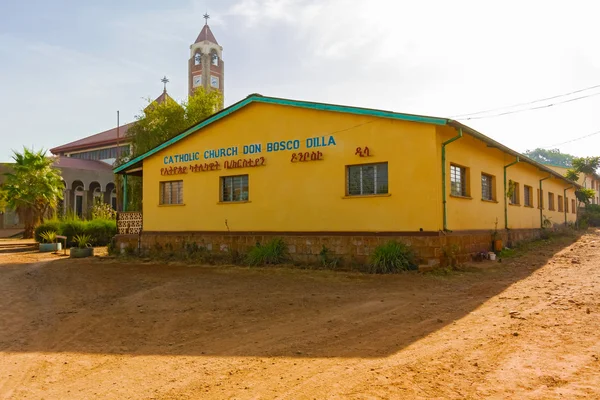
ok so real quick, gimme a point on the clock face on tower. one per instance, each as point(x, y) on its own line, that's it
point(214, 81)
point(197, 80)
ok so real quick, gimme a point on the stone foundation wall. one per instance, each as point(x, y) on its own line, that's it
point(431, 247)
point(127, 243)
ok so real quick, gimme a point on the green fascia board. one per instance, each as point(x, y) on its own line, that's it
point(352, 110)
point(285, 102)
point(185, 133)
point(522, 157)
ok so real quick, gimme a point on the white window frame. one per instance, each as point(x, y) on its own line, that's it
point(462, 175)
point(491, 187)
point(378, 179)
point(166, 198)
point(527, 195)
point(244, 195)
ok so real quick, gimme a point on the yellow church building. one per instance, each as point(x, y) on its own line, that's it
point(343, 177)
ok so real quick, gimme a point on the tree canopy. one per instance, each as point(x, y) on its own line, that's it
point(33, 188)
point(552, 156)
point(586, 165)
point(160, 122)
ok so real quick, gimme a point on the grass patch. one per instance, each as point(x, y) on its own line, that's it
point(272, 253)
point(392, 257)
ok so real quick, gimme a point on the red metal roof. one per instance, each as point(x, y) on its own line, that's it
point(105, 138)
point(76, 163)
point(206, 34)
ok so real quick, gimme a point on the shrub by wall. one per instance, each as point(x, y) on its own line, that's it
point(100, 230)
point(591, 215)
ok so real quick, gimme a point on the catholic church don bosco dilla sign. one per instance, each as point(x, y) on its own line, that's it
point(211, 157)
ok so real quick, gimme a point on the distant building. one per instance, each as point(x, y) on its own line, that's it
point(86, 164)
point(206, 66)
point(585, 180)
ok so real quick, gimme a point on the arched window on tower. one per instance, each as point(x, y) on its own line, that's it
point(197, 58)
point(214, 58)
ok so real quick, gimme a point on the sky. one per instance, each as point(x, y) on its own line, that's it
point(66, 67)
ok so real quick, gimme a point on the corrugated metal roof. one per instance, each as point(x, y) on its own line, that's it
point(77, 163)
point(105, 138)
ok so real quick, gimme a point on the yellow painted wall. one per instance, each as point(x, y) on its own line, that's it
point(303, 196)
point(475, 213)
point(311, 196)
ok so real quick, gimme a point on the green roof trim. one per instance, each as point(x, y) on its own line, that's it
point(284, 102)
point(352, 110)
point(257, 98)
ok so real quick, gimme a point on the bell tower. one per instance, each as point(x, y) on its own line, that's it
point(206, 66)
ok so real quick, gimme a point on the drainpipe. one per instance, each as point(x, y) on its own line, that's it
point(541, 201)
point(460, 134)
point(124, 192)
point(566, 202)
point(505, 191)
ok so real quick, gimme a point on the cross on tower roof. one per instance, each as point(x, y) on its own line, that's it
point(206, 17)
point(165, 81)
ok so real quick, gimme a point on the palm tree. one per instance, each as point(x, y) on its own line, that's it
point(33, 188)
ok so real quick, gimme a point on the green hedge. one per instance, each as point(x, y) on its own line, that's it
point(101, 230)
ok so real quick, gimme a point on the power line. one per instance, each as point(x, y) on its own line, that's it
point(572, 140)
point(528, 102)
point(531, 108)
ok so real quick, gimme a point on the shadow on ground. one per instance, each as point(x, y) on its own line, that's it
point(115, 307)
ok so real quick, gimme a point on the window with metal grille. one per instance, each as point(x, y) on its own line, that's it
point(560, 203)
point(514, 198)
point(550, 201)
point(367, 179)
point(234, 188)
point(171, 192)
point(458, 180)
point(527, 195)
point(487, 187)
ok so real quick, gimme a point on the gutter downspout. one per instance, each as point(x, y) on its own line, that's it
point(445, 212)
point(124, 192)
point(505, 197)
point(541, 201)
point(566, 202)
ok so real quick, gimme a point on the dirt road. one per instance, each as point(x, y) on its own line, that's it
point(526, 328)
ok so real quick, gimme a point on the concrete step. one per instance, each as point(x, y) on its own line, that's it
point(18, 247)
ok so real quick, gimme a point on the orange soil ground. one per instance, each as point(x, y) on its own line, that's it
point(525, 328)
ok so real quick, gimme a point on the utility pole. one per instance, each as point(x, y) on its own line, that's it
point(117, 185)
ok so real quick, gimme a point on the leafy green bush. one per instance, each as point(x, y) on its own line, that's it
point(591, 216)
point(392, 257)
point(71, 228)
point(100, 231)
point(273, 252)
point(51, 225)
